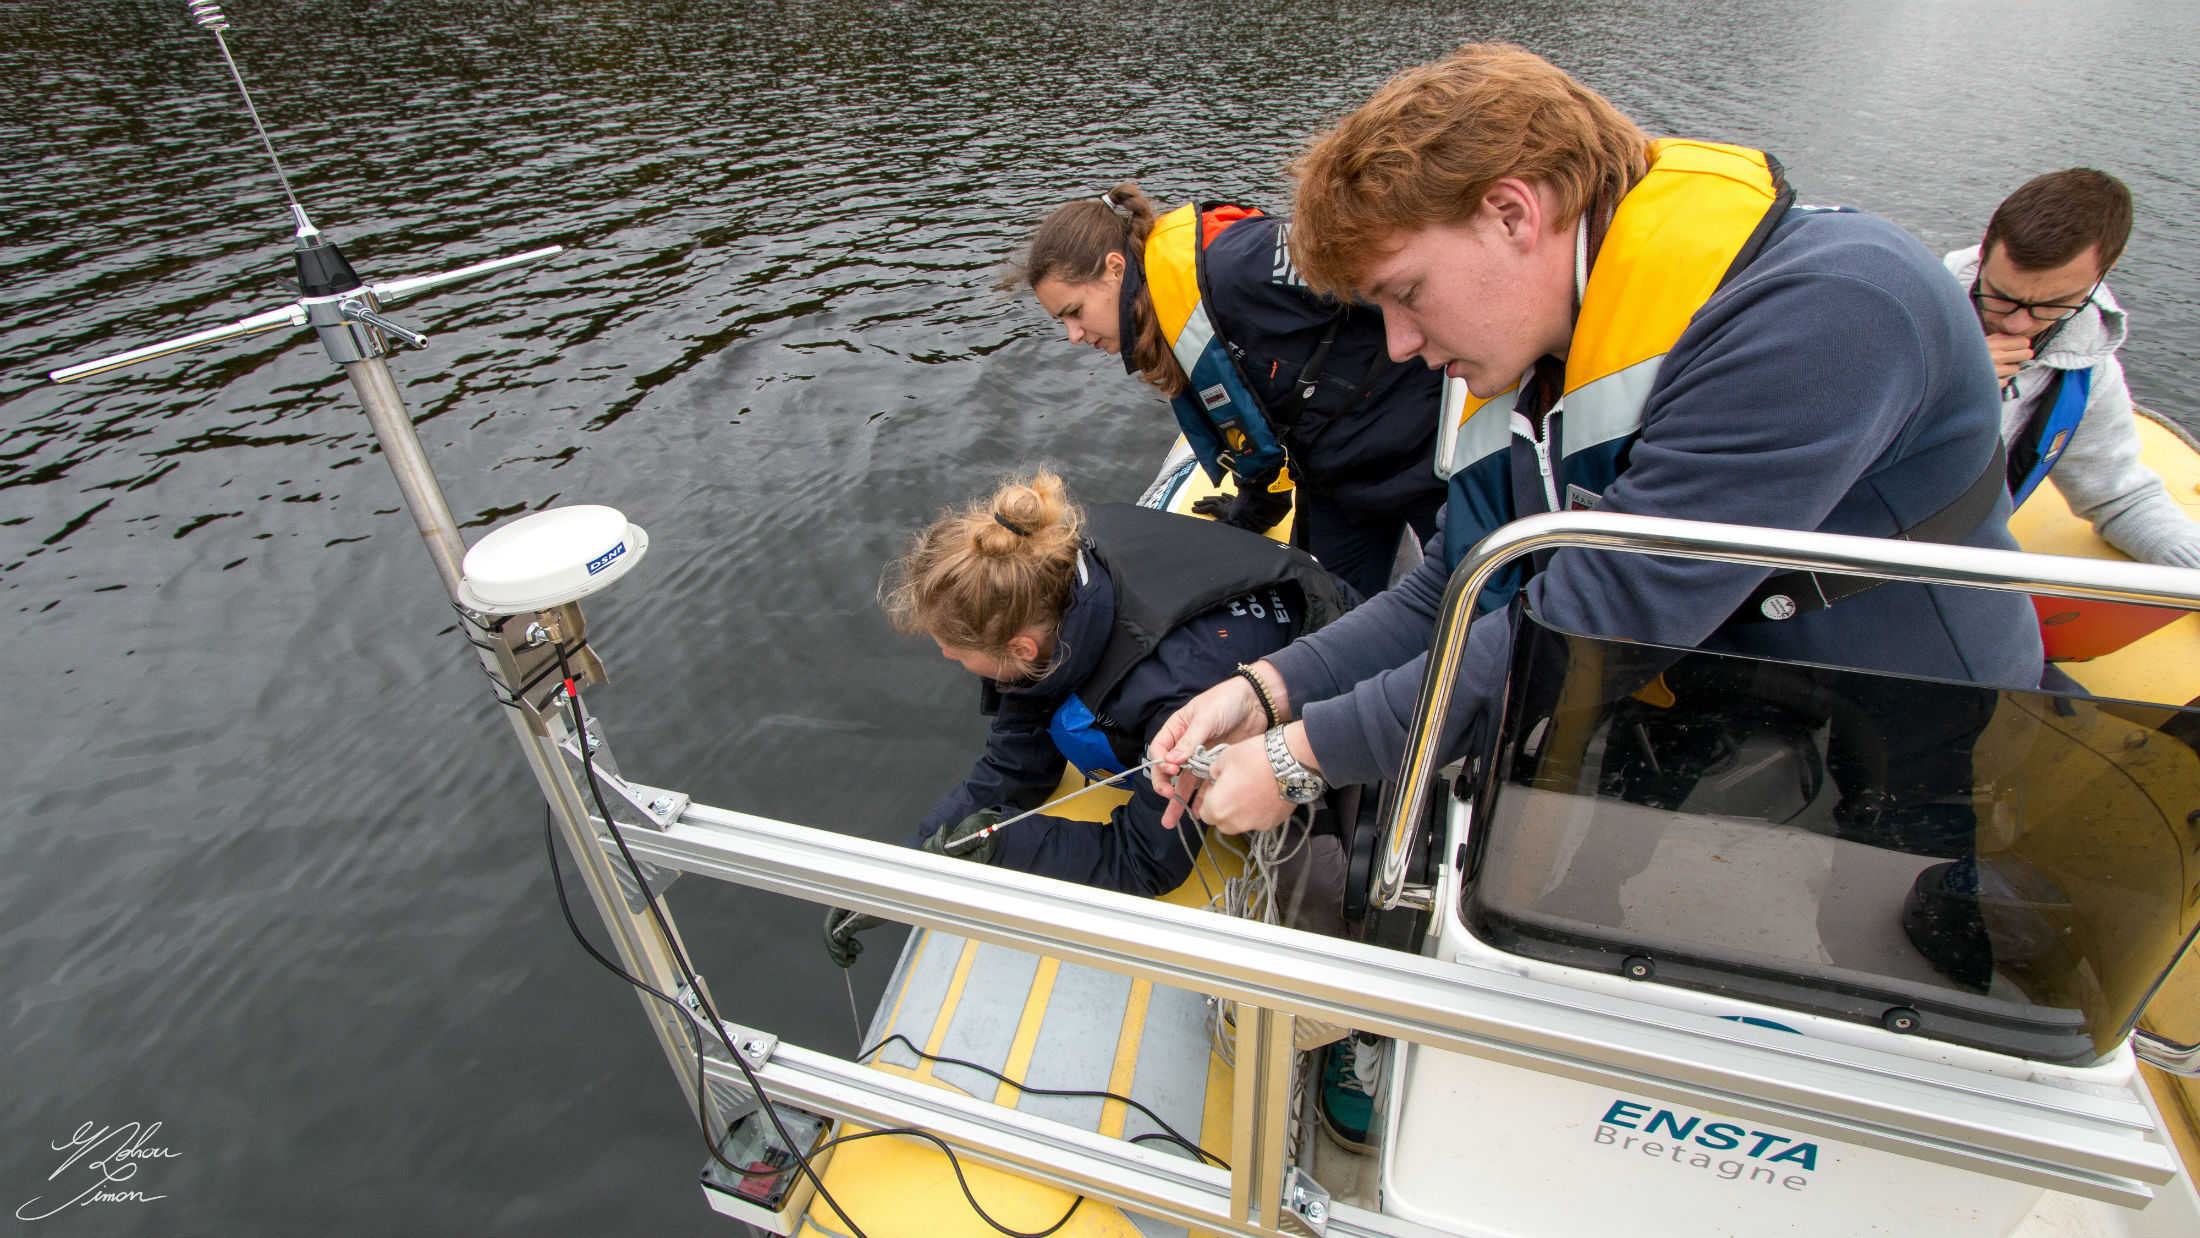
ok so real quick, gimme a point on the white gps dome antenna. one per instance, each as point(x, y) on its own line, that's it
point(550, 558)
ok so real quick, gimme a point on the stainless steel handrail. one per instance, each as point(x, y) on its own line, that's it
point(2098, 1145)
point(1780, 549)
point(2162, 1053)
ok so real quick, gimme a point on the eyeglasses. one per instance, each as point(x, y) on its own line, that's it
point(2042, 311)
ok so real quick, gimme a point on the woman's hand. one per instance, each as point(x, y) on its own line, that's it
point(1224, 714)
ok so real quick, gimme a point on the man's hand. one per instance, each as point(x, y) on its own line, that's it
point(1243, 797)
point(2009, 352)
point(1223, 714)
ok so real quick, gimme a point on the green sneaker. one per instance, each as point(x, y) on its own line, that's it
point(1347, 1101)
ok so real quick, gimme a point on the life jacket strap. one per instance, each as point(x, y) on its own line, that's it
point(1287, 414)
point(1785, 595)
point(2053, 422)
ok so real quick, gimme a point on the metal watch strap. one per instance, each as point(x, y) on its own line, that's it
point(1294, 781)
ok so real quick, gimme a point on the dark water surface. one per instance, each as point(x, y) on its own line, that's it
point(271, 872)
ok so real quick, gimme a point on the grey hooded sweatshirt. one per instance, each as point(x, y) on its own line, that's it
point(2099, 473)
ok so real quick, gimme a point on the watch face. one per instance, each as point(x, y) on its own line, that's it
point(1294, 782)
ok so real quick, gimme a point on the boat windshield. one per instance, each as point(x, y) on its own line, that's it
point(2009, 870)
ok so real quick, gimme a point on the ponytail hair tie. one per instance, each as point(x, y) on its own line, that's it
point(1010, 525)
point(1108, 200)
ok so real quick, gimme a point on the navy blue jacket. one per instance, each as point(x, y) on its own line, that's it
point(1379, 456)
point(1130, 852)
point(1839, 383)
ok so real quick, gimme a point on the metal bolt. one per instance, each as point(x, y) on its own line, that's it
point(536, 634)
point(754, 1048)
point(661, 805)
point(595, 741)
point(1316, 1211)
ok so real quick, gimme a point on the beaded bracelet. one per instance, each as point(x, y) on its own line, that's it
point(1260, 690)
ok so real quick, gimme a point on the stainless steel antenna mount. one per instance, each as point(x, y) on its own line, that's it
point(345, 311)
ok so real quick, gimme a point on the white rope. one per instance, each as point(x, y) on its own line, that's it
point(1252, 896)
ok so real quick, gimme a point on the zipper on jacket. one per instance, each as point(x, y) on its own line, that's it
point(1536, 432)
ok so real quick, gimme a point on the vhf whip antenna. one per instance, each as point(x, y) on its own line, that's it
point(345, 311)
point(209, 14)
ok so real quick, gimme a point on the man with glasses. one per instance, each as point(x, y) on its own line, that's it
point(2053, 328)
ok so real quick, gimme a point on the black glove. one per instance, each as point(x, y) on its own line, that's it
point(841, 927)
point(1254, 506)
point(942, 840)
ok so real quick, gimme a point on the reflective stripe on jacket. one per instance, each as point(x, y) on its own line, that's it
point(1224, 423)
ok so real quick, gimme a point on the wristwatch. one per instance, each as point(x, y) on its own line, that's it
point(1294, 781)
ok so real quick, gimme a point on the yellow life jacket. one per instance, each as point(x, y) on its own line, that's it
point(1694, 220)
point(1224, 423)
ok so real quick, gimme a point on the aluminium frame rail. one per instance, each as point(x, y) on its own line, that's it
point(2096, 1146)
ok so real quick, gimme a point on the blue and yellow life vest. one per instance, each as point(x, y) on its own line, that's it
point(2032, 457)
point(1695, 219)
point(1226, 426)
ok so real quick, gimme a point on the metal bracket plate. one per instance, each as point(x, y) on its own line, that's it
point(522, 662)
point(756, 1048)
point(1306, 1205)
point(632, 805)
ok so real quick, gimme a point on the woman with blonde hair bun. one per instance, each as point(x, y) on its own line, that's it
point(1086, 628)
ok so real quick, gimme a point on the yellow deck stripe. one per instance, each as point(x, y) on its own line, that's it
point(1114, 1113)
point(948, 1003)
point(1027, 1030)
point(916, 956)
point(1215, 1115)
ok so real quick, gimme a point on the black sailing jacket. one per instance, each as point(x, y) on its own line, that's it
point(1372, 456)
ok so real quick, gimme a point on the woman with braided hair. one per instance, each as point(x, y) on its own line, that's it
point(1290, 391)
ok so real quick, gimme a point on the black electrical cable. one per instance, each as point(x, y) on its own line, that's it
point(1167, 1131)
point(565, 905)
point(701, 1081)
point(953, 1162)
point(702, 1118)
point(679, 956)
point(694, 985)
